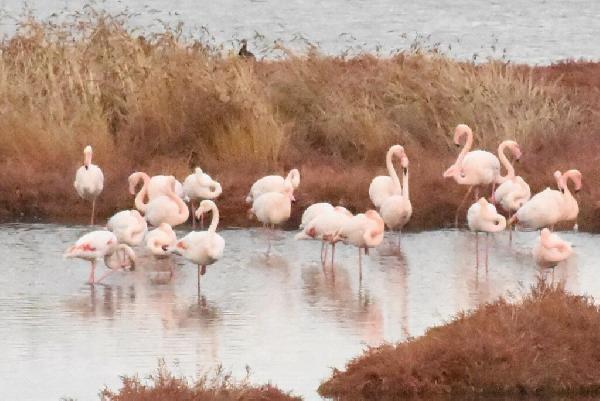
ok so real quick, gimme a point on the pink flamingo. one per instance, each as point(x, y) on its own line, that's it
point(550, 249)
point(483, 217)
point(199, 186)
point(168, 208)
point(396, 210)
point(384, 186)
point(129, 226)
point(274, 183)
point(89, 180)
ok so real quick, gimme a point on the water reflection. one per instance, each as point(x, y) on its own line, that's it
point(286, 315)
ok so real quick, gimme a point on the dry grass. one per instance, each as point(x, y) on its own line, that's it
point(165, 104)
point(163, 386)
point(546, 344)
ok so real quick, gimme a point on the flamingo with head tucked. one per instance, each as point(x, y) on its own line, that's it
point(483, 217)
point(102, 245)
point(159, 240)
point(129, 226)
point(202, 247)
point(199, 186)
point(313, 211)
point(473, 168)
point(384, 186)
point(550, 249)
point(274, 183)
point(89, 180)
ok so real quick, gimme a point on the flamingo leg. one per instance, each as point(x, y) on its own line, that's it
point(487, 235)
point(324, 256)
point(460, 205)
point(199, 267)
point(91, 278)
point(193, 215)
point(108, 273)
point(332, 253)
point(510, 229)
point(476, 249)
point(359, 265)
point(93, 211)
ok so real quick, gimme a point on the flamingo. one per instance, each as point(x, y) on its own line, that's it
point(544, 209)
point(102, 244)
point(199, 186)
point(483, 217)
point(129, 226)
point(159, 240)
point(396, 209)
point(274, 183)
point(168, 208)
point(384, 186)
point(155, 186)
point(272, 208)
point(550, 249)
point(571, 208)
point(202, 247)
point(324, 227)
point(313, 211)
point(364, 231)
point(473, 168)
point(89, 180)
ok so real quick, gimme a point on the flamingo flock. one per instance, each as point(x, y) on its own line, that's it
point(161, 202)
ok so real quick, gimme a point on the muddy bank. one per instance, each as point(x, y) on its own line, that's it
point(164, 105)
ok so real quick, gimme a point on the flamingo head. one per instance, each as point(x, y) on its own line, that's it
point(460, 131)
point(404, 163)
point(205, 206)
point(293, 178)
point(397, 150)
point(87, 156)
point(516, 150)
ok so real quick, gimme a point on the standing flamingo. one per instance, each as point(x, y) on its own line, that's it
point(364, 231)
point(324, 227)
point(199, 186)
point(396, 209)
point(384, 186)
point(202, 247)
point(473, 168)
point(271, 209)
point(544, 209)
point(89, 180)
point(102, 244)
point(168, 208)
point(550, 249)
point(129, 226)
point(274, 183)
point(483, 217)
point(154, 186)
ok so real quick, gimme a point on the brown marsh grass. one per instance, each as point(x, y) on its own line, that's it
point(163, 386)
point(164, 104)
point(546, 344)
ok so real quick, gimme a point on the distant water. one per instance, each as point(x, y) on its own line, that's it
point(287, 317)
point(532, 31)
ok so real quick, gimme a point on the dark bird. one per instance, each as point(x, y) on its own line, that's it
point(244, 52)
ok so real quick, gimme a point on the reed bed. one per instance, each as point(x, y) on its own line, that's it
point(545, 345)
point(165, 104)
point(163, 385)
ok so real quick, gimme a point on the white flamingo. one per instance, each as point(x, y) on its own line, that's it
point(396, 209)
point(102, 245)
point(384, 186)
point(160, 240)
point(199, 186)
point(89, 180)
point(483, 217)
point(129, 226)
point(274, 183)
point(155, 186)
point(202, 247)
point(313, 211)
point(544, 209)
point(550, 249)
point(364, 231)
point(168, 208)
point(473, 168)
point(324, 227)
point(272, 208)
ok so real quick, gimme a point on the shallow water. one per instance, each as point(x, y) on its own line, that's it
point(284, 316)
point(535, 31)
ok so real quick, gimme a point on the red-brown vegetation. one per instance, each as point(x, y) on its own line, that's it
point(165, 104)
point(546, 344)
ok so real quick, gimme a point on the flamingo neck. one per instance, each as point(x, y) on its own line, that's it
point(467, 147)
point(391, 170)
point(183, 212)
point(141, 195)
point(215, 219)
point(510, 170)
point(87, 159)
point(575, 177)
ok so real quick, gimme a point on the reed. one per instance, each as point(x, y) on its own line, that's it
point(165, 103)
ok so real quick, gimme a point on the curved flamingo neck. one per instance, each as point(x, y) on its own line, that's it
point(391, 170)
point(510, 170)
point(215, 218)
point(183, 212)
point(141, 195)
point(575, 177)
point(468, 144)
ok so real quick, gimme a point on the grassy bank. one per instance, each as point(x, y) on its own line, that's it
point(545, 345)
point(164, 104)
point(163, 386)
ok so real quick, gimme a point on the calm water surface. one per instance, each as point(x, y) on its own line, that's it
point(534, 31)
point(284, 316)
